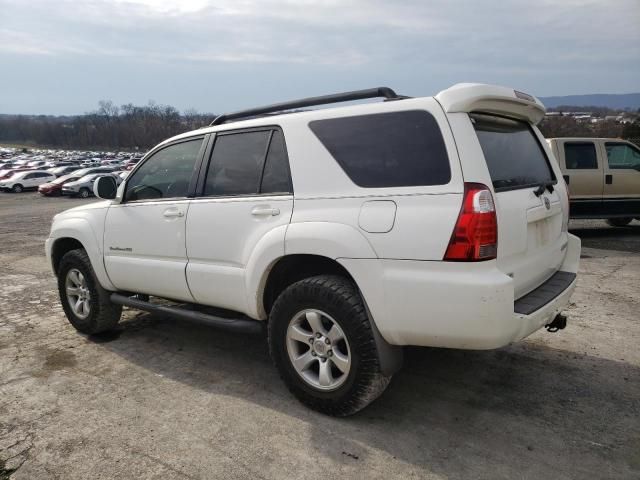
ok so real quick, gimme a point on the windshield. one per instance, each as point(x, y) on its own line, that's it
point(89, 177)
point(512, 151)
point(65, 178)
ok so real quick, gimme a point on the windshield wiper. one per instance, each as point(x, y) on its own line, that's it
point(544, 186)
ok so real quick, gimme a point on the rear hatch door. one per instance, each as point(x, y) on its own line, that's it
point(531, 237)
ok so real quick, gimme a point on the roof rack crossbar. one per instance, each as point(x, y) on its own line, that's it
point(380, 92)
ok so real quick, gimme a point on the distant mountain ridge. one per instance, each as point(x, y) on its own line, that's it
point(610, 100)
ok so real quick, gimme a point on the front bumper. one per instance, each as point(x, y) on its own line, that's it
point(450, 304)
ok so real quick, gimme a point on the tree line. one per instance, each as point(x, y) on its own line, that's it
point(110, 126)
point(566, 126)
point(130, 126)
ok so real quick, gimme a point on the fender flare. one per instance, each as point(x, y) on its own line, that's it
point(324, 239)
point(81, 230)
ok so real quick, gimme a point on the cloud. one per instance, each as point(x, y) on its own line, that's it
point(546, 46)
point(325, 32)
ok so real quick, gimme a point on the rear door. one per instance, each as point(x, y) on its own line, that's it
point(29, 180)
point(144, 235)
point(244, 196)
point(532, 235)
point(622, 179)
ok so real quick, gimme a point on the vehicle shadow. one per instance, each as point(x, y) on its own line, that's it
point(626, 239)
point(524, 411)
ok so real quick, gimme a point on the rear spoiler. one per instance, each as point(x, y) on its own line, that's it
point(477, 97)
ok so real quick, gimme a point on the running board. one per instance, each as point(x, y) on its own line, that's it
point(244, 325)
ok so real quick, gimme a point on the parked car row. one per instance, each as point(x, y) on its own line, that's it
point(61, 173)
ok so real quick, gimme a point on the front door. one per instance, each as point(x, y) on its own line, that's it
point(144, 240)
point(622, 179)
point(245, 199)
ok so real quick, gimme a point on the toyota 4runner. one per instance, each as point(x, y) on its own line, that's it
point(345, 233)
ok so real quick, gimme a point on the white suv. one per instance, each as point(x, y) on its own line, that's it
point(346, 233)
point(26, 180)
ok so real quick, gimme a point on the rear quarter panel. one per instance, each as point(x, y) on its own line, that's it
point(425, 215)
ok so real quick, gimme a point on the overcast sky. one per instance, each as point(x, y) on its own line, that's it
point(63, 56)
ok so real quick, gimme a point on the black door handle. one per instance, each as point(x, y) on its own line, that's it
point(608, 179)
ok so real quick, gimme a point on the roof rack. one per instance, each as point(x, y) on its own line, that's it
point(380, 92)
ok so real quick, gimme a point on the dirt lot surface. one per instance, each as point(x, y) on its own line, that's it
point(161, 399)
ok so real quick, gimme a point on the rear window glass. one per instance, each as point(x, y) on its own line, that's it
point(512, 151)
point(580, 156)
point(397, 149)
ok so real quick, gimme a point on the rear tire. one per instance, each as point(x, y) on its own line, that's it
point(352, 375)
point(619, 222)
point(89, 308)
point(17, 188)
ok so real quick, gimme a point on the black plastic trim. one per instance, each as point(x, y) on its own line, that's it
point(544, 294)
point(604, 207)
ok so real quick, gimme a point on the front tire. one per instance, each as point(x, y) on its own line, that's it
point(619, 222)
point(322, 344)
point(85, 302)
point(17, 188)
point(84, 193)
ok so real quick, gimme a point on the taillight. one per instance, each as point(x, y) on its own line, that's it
point(475, 236)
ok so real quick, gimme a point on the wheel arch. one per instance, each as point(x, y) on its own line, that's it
point(73, 233)
point(291, 268)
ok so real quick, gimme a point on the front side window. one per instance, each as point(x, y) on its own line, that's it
point(622, 155)
point(166, 174)
point(580, 156)
point(395, 149)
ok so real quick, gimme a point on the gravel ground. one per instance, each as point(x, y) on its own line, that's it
point(159, 399)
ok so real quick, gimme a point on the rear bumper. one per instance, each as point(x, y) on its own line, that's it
point(454, 305)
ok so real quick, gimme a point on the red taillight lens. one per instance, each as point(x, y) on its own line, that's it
point(475, 236)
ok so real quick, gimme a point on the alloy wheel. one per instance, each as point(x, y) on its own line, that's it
point(318, 349)
point(78, 294)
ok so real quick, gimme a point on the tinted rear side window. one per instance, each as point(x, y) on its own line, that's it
point(275, 177)
point(236, 164)
point(397, 149)
point(512, 151)
point(580, 156)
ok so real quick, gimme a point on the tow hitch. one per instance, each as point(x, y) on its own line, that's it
point(558, 323)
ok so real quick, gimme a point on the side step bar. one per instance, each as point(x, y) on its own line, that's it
point(244, 325)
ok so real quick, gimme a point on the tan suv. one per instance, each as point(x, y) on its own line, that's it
point(603, 175)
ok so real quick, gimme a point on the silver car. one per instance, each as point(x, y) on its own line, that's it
point(83, 187)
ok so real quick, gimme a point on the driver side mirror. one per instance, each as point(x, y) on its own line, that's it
point(105, 187)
